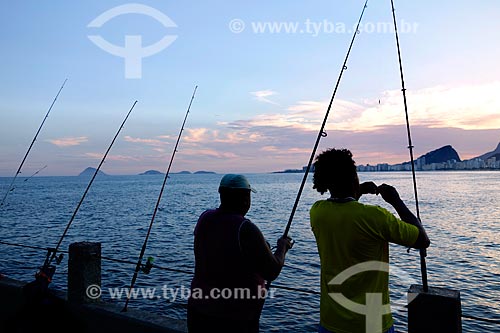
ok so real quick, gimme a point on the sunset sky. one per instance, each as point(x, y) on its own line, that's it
point(262, 94)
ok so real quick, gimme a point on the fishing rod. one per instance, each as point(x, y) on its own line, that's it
point(31, 145)
point(47, 269)
point(322, 132)
point(423, 252)
point(149, 263)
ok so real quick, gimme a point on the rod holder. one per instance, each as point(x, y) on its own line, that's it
point(436, 310)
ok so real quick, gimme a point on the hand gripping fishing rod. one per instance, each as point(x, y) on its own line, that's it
point(423, 252)
point(47, 271)
point(149, 264)
point(31, 145)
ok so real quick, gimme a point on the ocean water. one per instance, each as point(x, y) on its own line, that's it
point(460, 210)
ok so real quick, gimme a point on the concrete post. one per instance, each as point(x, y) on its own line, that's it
point(435, 311)
point(84, 272)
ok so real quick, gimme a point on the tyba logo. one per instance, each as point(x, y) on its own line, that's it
point(373, 309)
point(132, 51)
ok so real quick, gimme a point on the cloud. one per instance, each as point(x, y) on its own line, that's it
point(305, 115)
point(68, 142)
point(469, 107)
point(269, 149)
point(199, 136)
point(210, 153)
point(112, 157)
point(149, 142)
point(316, 110)
point(262, 96)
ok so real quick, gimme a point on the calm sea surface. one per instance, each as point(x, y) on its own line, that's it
point(461, 211)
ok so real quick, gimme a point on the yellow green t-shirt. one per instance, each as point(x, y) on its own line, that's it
point(349, 234)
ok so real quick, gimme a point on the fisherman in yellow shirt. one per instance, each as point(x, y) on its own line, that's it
point(353, 244)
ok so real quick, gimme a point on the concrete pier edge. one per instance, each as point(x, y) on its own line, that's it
point(78, 314)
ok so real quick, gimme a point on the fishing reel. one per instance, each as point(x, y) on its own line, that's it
point(52, 252)
point(46, 272)
point(147, 267)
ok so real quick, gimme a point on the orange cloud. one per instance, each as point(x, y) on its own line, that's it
point(469, 107)
point(207, 135)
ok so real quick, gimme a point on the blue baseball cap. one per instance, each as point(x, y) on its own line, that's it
point(235, 182)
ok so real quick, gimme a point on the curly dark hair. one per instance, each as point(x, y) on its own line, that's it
point(335, 170)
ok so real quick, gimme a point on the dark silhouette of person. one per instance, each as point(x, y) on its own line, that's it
point(233, 262)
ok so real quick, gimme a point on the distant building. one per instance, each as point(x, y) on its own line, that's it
point(475, 164)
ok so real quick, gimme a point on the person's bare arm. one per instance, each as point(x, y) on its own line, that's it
point(391, 196)
point(258, 253)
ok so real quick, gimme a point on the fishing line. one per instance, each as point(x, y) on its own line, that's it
point(54, 251)
point(423, 252)
point(28, 178)
point(31, 145)
point(149, 263)
point(322, 132)
point(36, 173)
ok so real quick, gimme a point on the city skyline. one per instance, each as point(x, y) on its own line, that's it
point(486, 161)
point(444, 158)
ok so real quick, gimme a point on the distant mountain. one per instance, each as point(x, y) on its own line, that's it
point(441, 155)
point(89, 172)
point(204, 172)
point(494, 153)
point(151, 172)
